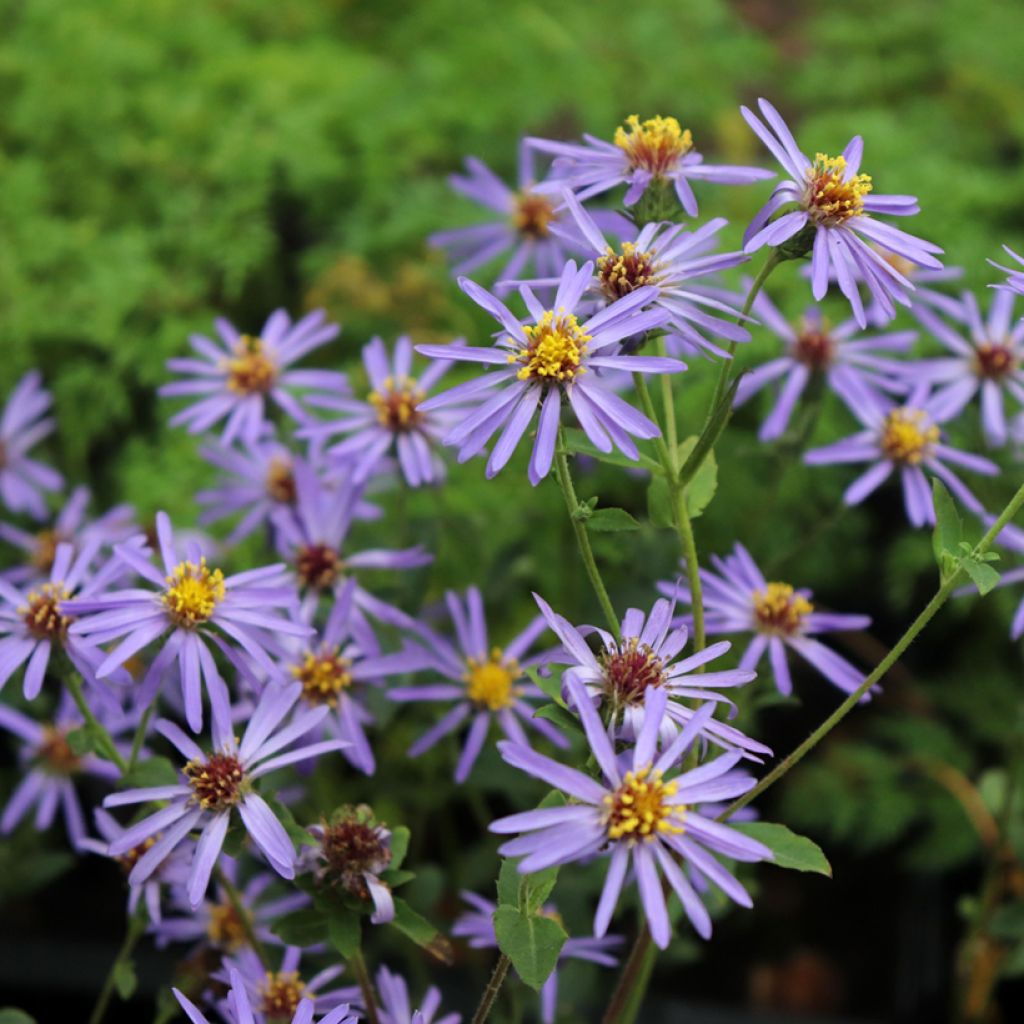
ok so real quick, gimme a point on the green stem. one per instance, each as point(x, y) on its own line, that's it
point(582, 538)
point(243, 915)
point(358, 965)
point(490, 993)
point(632, 980)
point(136, 929)
point(140, 735)
point(939, 599)
point(73, 681)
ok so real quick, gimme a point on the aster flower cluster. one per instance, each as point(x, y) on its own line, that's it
point(238, 721)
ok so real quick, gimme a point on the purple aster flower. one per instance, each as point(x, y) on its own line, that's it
point(352, 850)
point(396, 1007)
point(556, 355)
point(986, 359)
point(621, 673)
point(668, 257)
point(738, 599)
point(834, 201)
point(527, 219)
point(276, 996)
point(389, 417)
point(216, 923)
point(1014, 277)
point(51, 768)
point(906, 438)
point(855, 368)
point(24, 423)
point(313, 537)
point(656, 150)
point(235, 377)
point(172, 871)
point(486, 683)
point(216, 783)
point(635, 817)
point(69, 526)
point(239, 1010)
point(190, 605)
point(477, 926)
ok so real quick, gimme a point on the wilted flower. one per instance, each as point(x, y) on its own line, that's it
point(541, 362)
point(486, 683)
point(906, 438)
point(854, 368)
point(656, 150)
point(396, 1007)
point(637, 817)
point(236, 376)
point(216, 783)
point(622, 671)
point(738, 599)
point(23, 424)
point(834, 203)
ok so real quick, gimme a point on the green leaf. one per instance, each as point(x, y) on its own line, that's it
point(154, 771)
point(531, 942)
point(82, 740)
point(702, 486)
point(416, 927)
point(559, 716)
point(305, 927)
point(345, 931)
point(949, 527)
point(124, 979)
point(528, 892)
point(611, 520)
point(982, 575)
point(659, 503)
point(709, 437)
point(399, 847)
point(578, 443)
point(550, 684)
point(790, 850)
point(9, 1015)
point(298, 835)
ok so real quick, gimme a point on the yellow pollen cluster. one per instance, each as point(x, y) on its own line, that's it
point(226, 930)
point(217, 783)
point(280, 994)
point(829, 196)
point(489, 683)
point(42, 613)
point(396, 404)
point(778, 610)
point(553, 348)
point(131, 858)
point(638, 809)
point(620, 273)
point(250, 370)
point(55, 753)
point(193, 591)
point(656, 145)
point(324, 676)
point(907, 435)
point(534, 214)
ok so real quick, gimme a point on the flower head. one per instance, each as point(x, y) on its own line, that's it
point(645, 816)
point(836, 204)
point(554, 354)
point(23, 424)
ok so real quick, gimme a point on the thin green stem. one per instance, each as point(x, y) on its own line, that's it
point(922, 620)
point(140, 735)
point(73, 681)
point(243, 915)
point(358, 965)
point(628, 991)
point(582, 538)
point(490, 993)
point(135, 930)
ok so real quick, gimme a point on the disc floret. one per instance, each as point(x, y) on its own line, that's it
point(250, 369)
point(655, 145)
point(218, 783)
point(831, 196)
point(629, 669)
point(533, 214)
point(639, 809)
point(779, 610)
point(552, 349)
point(325, 675)
point(193, 592)
point(908, 436)
point(490, 682)
point(42, 615)
point(396, 404)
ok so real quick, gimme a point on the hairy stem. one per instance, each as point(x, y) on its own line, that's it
point(490, 993)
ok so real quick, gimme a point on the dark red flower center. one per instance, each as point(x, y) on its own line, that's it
point(318, 566)
point(629, 670)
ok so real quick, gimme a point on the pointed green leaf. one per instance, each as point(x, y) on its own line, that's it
point(9, 1015)
point(550, 684)
point(578, 443)
point(659, 503)
point(305, 927)
point(124, 979)
point(611, 520)
point(949, 528)
point(416, 927)
point(531, 942)
point(345, 930)
point(399, 847)
point(792, 851)
point(982, 575)
point(154, 771)
point(559, 716)
point(702, 486)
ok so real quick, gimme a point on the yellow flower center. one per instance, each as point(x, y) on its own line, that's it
point(489, 684)
point(217, 783)
point(655, 145)
point(907, 435)
point(552, 349)
point(778, 610)
point(994, 360)
point(639, 808)
point(324, 676)
point(829, 197)
point(280, 995)
point(533, 215)
point(620, 273)
point(250, 370)
point(226, 929)
point(55, 754)
point(396, 404)
point(193, 592)
point(42, 613)
point(280, 481)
